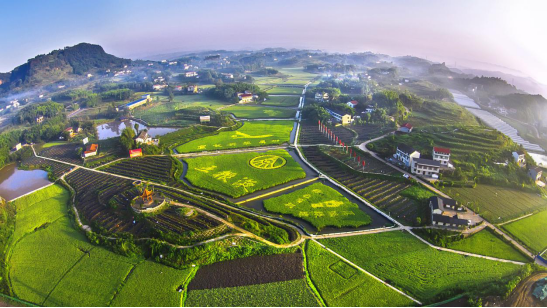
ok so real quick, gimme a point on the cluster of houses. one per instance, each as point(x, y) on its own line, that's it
point(409, 157)
point(534, 173)
point(322, 97)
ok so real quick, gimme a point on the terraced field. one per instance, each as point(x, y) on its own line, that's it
point(65, 152)
point(372, 165)
point(310, 134)
point(159, 169)
point(383, 193)
point(369, 131)
point(57, 169)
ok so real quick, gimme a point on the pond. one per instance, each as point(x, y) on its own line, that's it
point(15, 182)
point(114, 129)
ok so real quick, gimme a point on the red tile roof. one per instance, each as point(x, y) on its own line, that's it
point(354, 102)
point(92, 147)
point(245, 95)
point(441, 150)
point(407, 125)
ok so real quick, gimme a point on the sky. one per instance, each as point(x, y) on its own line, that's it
point(472, 33)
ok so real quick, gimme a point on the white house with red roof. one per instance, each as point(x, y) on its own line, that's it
point(441, 155)
point(352, 104)
point(405, 128)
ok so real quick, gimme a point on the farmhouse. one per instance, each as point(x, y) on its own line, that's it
point(425, 167)
point(190, 74)
point(178, 88)
point(519, 157)
point(442, 155)
point(405, 128)
point(227, 75)
point(369, 109)
point(352, 104)
point(346, 119)
point(444, 212)
point(143, 137)
point(204, 119)
point(535, 173)
point(143, 100)
point(158, 87)
point(439, 204)
point(405, 154)
point(40, 119)
point(245, 97)
point(70, 132)
point(449, 221)
point(321, 97)
point(90, 150)
point(192, 89)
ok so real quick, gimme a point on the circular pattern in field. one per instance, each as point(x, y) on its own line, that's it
point(267, 162)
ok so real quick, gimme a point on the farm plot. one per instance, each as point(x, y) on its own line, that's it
point(341, 285)
point(320, 205)
point(441, 113)
point(94, 190)
point(292, 293)
point(251, 134)
point(56, 169)
point(240, 174)
point(369, 131)
point(259, 112)
point(532, 231)
point(282, 101)
point(66, 152)
point(158, 169)
point(310, 134)
point(486, 243)
point(497, 204)
point(249, 271)
point(293, 90)
point(372, 165)
point(383, 191)
point(160, 290)
point(54, 264)
point(424, 272)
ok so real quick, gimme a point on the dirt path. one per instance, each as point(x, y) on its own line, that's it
point(522, 295)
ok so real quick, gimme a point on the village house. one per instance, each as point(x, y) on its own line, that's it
point(346, 119)
point(40, 119)
point(90, 150)
point(143, 100)
point(14, 103)
point(177, 88)
point(192, 89)
point(405, 154)
point(519, 157)
point(245, 97)
point(352, 104)
point(405, 128)
point(17, 147)
point(369, 109)
point(321, 97)
point(204, 119)
point(535, 173)
point(144, 137)
point(72, 132)
point(159, 87)
point(444, 212)
point(441, 155)
point(227, 75)
point(427, 167)
point(190, 74)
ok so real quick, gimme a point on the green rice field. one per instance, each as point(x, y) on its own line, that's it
point(532, 231)
point(251, 134)
point(411, 265)
point(259, 112)
point(320, 205)
point(282, 101)
point(240, 174)
point(341, 285)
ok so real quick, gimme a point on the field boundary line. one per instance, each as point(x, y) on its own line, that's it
point(366, 272)
point(278, 190)
point(31, 192)
point(516, 219)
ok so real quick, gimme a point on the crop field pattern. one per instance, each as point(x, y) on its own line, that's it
point(57, 169)
point(310, 134)
point(65, 152)
point(320, 205)
point(291, 293)
point(236, 175)
point(497, 204)
point(384, 194)
point(249, 271)
point(413, 266)
point(369, 131)
point(487, 243)
point(55, 265)
point(282, 101)
point(372, 165)
point(532, 231)
point(159, 169)
point(251, 134)
point(260, 112)
point(342, 285)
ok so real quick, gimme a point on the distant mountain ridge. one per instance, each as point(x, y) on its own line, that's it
point(60, 64)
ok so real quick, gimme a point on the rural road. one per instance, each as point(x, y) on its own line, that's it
point(363, 147)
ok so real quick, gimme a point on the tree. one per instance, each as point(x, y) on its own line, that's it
point(137, 128)
point(171, 95)
point(127, 138)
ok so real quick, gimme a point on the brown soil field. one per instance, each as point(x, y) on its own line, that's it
point(249, 271)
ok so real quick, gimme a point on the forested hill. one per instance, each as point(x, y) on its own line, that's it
point(61, 64)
